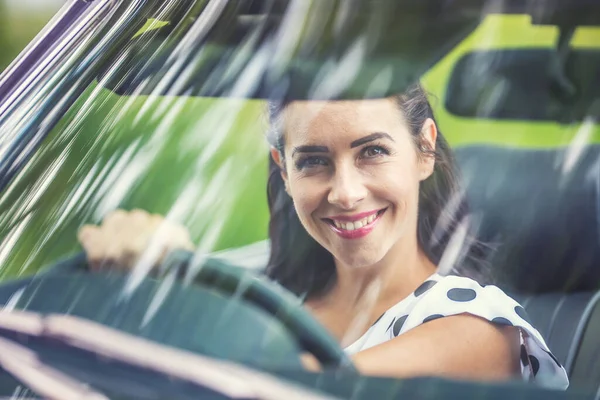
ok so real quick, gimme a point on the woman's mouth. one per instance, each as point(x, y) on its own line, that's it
point(352, 227)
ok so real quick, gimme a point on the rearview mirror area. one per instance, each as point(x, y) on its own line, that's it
point(523, 84)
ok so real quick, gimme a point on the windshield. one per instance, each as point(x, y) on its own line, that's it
point(163, 107)
point(149, 132)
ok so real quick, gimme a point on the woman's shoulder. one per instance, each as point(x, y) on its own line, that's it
point(444, 296)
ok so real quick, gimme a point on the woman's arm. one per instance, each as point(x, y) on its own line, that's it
point(456, 347)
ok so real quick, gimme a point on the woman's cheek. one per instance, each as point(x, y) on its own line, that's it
point(305, 200)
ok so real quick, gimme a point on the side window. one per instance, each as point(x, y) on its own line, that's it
point(202, 161)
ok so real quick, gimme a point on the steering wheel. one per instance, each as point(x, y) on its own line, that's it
point(218, 287)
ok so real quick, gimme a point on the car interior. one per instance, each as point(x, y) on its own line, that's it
point(538, 206)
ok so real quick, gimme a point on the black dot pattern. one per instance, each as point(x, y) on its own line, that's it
point(460, 294)
point(502, 321)
point(390, 325)
point(522, 313)
point(398, 325)
point(432, 317)
point(535, 364)
point(425, 286)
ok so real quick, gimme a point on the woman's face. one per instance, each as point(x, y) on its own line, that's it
point(353, 172)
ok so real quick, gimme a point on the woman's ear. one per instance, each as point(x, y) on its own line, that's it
point(278, 158)
point(429, 138)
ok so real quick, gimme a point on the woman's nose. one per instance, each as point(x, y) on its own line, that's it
point(347, 190)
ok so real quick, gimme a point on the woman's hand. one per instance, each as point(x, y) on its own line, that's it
point(126, 238)
point(310, 362)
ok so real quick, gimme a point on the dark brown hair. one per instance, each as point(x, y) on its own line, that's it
point(304, 267)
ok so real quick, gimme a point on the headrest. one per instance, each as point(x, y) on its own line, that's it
point(541, 208)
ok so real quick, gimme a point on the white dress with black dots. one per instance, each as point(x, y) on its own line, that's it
point(442, 296)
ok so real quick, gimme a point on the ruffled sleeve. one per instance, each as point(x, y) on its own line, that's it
point(452, 295)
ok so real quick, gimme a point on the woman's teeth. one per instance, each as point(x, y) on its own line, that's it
point(350, 226)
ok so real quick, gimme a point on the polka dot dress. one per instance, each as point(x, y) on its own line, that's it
point(442, 296)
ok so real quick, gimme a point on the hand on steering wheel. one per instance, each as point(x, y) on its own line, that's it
point(137, 239)
point(129, 238)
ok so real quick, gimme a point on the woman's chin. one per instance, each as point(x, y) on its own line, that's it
point(361, 259)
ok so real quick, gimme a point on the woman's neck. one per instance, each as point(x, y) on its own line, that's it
point(361, 295)
point(394, 277)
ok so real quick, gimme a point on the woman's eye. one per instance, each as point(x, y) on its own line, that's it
point(310, 162)
point(374, 151)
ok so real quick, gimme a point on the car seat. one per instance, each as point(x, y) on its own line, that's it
point(541, 210)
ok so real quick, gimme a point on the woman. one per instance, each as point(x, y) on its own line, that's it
point(368, 225)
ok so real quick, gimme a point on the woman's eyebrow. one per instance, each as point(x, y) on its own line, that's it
point(356, 143)
point(310, 149)
point(370, 138)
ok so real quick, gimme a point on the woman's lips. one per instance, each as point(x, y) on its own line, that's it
point(365, 225)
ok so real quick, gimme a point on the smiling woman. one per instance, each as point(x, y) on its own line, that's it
point(155, 106)
point(368, 225)
point(398, 154)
